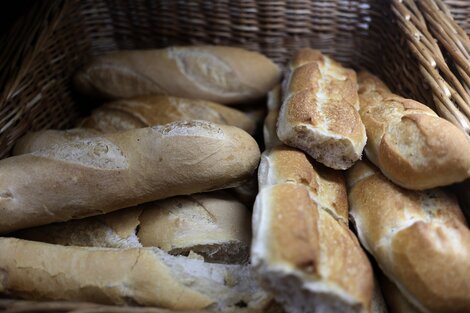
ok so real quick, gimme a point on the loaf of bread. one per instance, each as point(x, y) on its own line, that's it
point(158, 110)
point(319, 112)
point(269, 128)
point(302, 248)
point(142, 276)
point(419, 239)
point(114, 171)
point(214, 225)
point(411, 145)
point(225, 75)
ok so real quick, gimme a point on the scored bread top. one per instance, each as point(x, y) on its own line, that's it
point(158, 110)
point(413, 147)
point(226, 75)
point(419, 239)
point(319, 111)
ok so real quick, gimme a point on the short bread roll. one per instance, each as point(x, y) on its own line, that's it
point(214, 225)
point(114, 171)
point(158, 110)
point(319, 113)
point(419, 239)
point(225, 75)
point(411, 145)
point(142, 276)
point(302, 249)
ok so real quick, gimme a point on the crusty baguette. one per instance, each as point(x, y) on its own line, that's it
point(269, 128)
point(225, 75)
point(302, 249)
point(419, 239)
point(214, 225)
point(319, 113)
point(103, 174)
point(412, 146)
point(158, 110)
point(143, 276)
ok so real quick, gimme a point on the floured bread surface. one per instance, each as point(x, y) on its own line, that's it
point(412, 146)
point(191, 128)
point(319, 113)
point(226, 75)
point(419, 239)
point(159, 110)
point(302, 248)
point(95, 152)
point(143, 276)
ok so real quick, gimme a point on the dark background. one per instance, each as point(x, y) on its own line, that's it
point(10, 11)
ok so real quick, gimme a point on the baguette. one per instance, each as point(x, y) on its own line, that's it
point(419, 239)
point(395, 300)
point(302, 248)
point(269, 128)
point(213, 225)
point(319, 113)
point(142, 276)
point(114, 171)
point(411, 145)
point(158, 110)
point(225, 75)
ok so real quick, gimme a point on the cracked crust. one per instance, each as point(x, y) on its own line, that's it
point(412, 146)
point(302, 247)
point(319, 113)
point(419, 239)
point(225, 75)
point(162, 161)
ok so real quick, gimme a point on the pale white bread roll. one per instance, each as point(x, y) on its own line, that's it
point(395, 300)
point(214, 225)
point(158, 110)
point(411, 145)
point(319, 113)
point(302, 248)
point(419, 239)
point(114, 171)
point(225, 75)
point(269, 128)
point(142, 276)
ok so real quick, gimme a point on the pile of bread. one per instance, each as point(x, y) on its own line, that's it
point(128, 207)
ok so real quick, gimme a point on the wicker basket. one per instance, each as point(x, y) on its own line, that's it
point(415, 46)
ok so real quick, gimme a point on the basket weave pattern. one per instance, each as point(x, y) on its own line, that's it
point(391, 38)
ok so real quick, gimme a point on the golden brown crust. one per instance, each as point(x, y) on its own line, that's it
point(419, 239)
point(119, 170)
point(301, 232)
point(158, 110)
point(236, 75)
point(413, 147)
point(319, 111)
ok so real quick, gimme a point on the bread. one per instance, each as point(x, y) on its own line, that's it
point(419, 239)
point(247, 191)
point(302, 248)
point(214, 225)
point(103, 174)
point(225, 75)
point(319, 112)
point(269, 128)
point(395, 300)
point(410, 144)
point(142, 276)
point(158, 110)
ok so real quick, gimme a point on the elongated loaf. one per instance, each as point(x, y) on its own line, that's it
point(103, 174)
point(419, 239)
point(226, 75)
point(410, 144)
point(319, 113)
point(158, 110)
point(143, 276)
point(214, 225)
point(269, 128)
point(302, 249)
point(395, 300)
